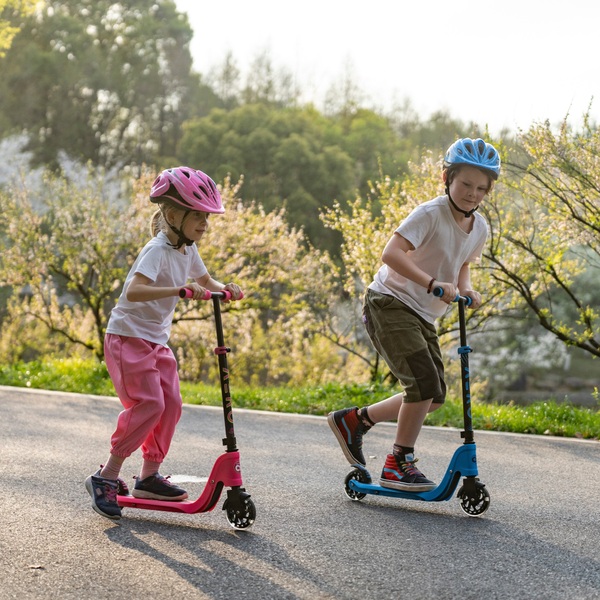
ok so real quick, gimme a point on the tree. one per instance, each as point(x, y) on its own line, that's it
point(369, 138)
point(11, 11)
point(65, 252)
point(542, 256)
point(545, 247)
point(344, 97)
point(225, 80)
point(267, 85)
point(289, 288)
point(100, 80)
point(295, 157)
point(65, 255)
point(288, 157)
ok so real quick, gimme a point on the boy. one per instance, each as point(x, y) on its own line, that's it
point(432, 247)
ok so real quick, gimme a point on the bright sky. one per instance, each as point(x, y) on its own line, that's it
point(505, 64)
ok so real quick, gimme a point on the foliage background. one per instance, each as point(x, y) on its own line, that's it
point(99, 96)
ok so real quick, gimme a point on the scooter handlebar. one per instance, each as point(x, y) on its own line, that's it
point(225, 294)
point(439, 292)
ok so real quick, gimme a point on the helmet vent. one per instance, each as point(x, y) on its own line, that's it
point(477, 153)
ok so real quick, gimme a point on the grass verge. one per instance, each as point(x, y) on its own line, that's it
point(541, 418)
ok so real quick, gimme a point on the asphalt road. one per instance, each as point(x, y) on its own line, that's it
point(539, 539)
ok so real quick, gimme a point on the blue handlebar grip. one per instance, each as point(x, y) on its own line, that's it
point(439, 292)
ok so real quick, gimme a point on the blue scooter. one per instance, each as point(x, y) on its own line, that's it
point(473, 496)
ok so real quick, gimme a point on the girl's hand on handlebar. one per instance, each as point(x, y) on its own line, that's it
point(475, 298)
point(198, 292)
point(235, 290)
point(450, 291)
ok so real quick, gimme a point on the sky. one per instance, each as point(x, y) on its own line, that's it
point(505, 64)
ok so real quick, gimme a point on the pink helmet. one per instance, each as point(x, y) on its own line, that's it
point(196, 191)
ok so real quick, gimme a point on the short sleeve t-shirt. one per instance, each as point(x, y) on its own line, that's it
point(441, 249)
point(165, 267)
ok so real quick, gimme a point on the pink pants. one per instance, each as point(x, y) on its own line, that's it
point(146, 380)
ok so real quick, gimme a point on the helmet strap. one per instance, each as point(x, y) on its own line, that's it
point(467, 213)
point(181, 238)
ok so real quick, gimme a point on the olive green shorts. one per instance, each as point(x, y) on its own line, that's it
point(408, 344)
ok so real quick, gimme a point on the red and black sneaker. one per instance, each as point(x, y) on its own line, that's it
point(349, 430)
point(403, 475)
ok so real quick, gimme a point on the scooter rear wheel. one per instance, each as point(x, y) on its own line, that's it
point(358, 475)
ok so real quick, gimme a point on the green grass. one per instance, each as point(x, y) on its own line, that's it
point(61, 374)
point(541, 418)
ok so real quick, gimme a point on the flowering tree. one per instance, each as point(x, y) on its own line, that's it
point(66, 252)
point(10, 12)
point(544, 252)
point(543, 255)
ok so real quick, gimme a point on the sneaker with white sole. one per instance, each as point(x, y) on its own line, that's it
point(157, 487)
point(349, 430)
point(104, 495)
point(402, 475)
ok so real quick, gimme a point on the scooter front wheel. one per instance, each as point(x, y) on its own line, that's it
point(243, 515)
point(474, 499)
point(357, 475)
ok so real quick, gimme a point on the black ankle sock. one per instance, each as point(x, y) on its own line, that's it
point(402, 451)
point(363, 415)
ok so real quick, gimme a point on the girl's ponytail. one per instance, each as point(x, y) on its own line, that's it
point(157, 223)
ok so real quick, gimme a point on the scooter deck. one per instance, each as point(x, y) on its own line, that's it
point(438, 494)
point(462, 464)
point(226, 472)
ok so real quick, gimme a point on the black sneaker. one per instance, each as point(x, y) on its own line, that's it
point(122, 488)
point(104, 495)
point(157, 487)
point(349, 431)
point(403, 475)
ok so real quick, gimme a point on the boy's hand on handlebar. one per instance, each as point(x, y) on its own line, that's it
point(475, 298)
point(235, 290)
point(450, 291)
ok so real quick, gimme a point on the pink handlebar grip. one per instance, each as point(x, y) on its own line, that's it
point(225, 294)
point(187, 293)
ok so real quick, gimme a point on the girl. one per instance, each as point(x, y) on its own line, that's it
point(142, 367)
point(432, 247)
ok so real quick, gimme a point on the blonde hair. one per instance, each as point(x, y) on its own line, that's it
point(158, 222)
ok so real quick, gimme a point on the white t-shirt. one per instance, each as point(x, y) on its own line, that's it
point(165, 267)
point(441, 249)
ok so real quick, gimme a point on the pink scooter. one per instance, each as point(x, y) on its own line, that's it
point(226, 471)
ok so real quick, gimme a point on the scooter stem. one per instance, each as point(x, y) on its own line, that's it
point(465, 373)
point(221, 351)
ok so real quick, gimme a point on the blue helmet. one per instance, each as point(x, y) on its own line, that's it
point(476, 153)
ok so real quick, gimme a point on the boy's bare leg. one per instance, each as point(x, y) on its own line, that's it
point(410, 421)
point(386, 410)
